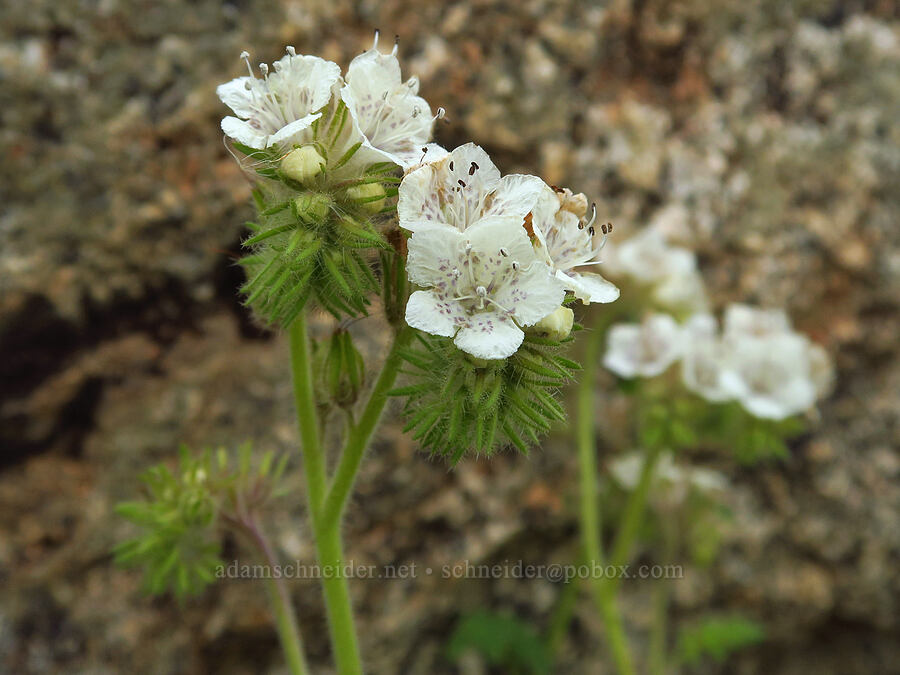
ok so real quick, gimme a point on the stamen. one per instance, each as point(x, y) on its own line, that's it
point(290, 50)
point(264, 69)
point(375, 41)
point(515, 265)
point(472, 169)
point(396, 45)
point(439, 115)
point(245, 57)
point(593, 213)
point(451, 165)
point(461, 183)
point(504, 252)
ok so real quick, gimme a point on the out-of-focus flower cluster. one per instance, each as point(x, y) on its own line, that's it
point(757, 359)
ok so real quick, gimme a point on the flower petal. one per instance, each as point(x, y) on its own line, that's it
point(451, 190)
point(236, 96)
point(433, 253)
point(309, 77)
point(243, 132)
point(490, 335)
point(515, 195)
point(589, 287)
point(433, 313)
point(288, 134)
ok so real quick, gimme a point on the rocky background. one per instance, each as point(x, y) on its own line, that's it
point(765, 133)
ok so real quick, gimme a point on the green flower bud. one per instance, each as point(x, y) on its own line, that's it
point(312, 207)
point(343, 370)
point(370, 196)
point(557, 325)
point(303, 164)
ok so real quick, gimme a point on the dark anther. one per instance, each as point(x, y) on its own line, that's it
point(473, 168)
point(451, 166)
point(591, 230)
point(461, 183)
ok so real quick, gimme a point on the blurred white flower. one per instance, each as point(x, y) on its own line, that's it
point(743, 320)
point(648, 258)
point(682, 291)
point(645, 349)
point(570, 242)
point(275, 109)
point(704, 359)
point(483, 285)
point(771, 376)
point(460, 189)
point(758, 360)
point(670, 482)
point(394, 119)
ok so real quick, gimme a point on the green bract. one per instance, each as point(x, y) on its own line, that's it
point(455, 402)
point(319, 210)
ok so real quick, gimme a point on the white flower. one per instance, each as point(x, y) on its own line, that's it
point(460, 189)
point(682, 291)
point(483, 284)
point(645, 349)
point(274, 110)
point(743, 321)
point(570, 243)
point(705, 356)
point(648, 258)
point(670, 482)
point(394, 119)
point(771, 376)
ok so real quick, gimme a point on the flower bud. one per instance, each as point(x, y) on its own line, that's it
point(556, 326)
point(303, 164)
point(344, 369)
point(369, 195)
point(312, 207)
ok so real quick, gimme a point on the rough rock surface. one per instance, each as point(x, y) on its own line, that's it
point(764, 134)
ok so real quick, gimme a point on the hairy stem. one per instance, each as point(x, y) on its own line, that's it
point(283, 608)
point(327, 539)
point(590, 509)
point(360, 433)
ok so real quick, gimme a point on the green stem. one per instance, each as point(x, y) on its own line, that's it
point(590, 509)
point(634, 513)
point(360, 433)
point(562, 615)
point(657, 658)
point(285, 619)
point(327, 539)
point(307, 417)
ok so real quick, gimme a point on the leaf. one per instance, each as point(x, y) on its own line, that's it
point(717, 638)
point(503, 641)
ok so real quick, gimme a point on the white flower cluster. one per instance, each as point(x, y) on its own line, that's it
point(648, 259)
point(388, 119)
point(671, 483)
point(757, 359)
point(494, 254)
